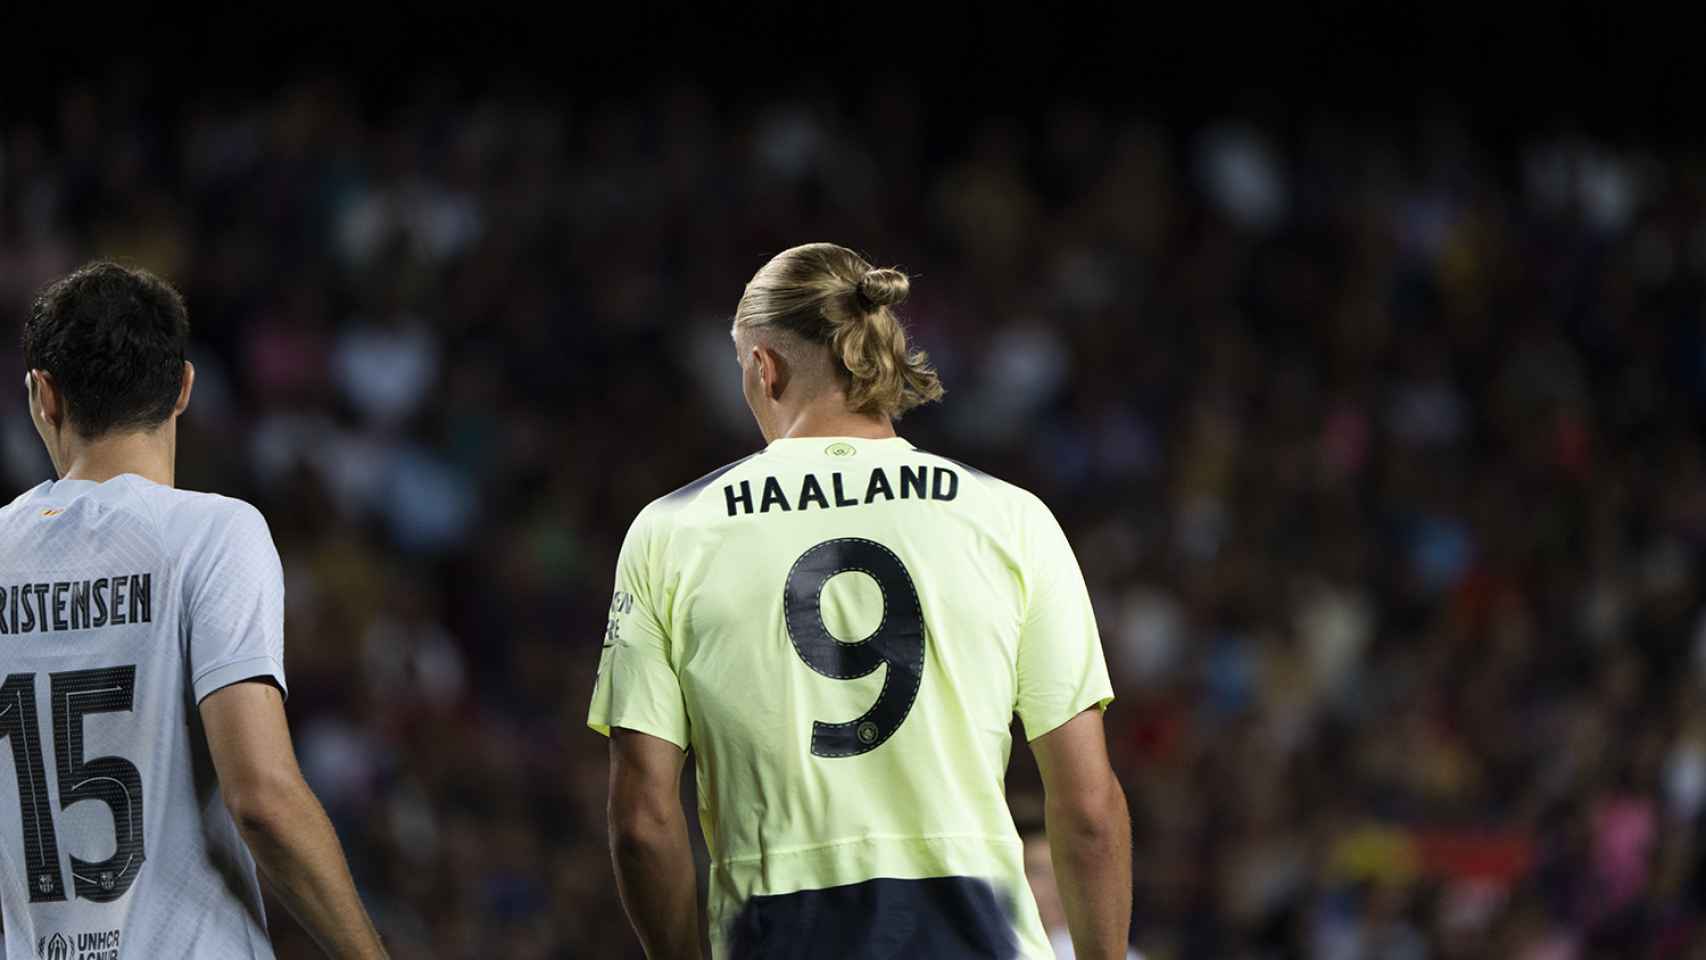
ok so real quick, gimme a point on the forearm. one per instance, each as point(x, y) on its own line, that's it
point(1091, 849)
point(654, 873)
point(298, 852)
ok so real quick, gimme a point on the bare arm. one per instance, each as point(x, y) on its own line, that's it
point(649, 844)
point(282, 821)
point(1089, 833)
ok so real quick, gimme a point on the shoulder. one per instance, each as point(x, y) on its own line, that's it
point(190, 518)
point(1016, 511)
point(22, 500)
point(202, 509)
point(1005, 495)
point(686, 505)
point(690, 493)
point(694, 499)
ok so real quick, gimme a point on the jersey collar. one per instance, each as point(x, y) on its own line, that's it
point(835, 446)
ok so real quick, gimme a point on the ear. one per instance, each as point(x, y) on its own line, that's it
point(773, 371)
point(184, 392)
point(45, 397)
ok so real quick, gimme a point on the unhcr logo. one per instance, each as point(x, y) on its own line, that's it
point(94, 945)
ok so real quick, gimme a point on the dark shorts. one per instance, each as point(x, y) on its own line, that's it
point(943, 918)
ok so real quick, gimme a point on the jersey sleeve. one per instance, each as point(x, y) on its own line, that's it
point(637, 684)
point(234, 595)
point(1061, 668)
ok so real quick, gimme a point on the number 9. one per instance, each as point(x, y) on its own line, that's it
point(898, 640)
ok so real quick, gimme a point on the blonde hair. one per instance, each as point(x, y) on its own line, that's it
point(827, 294)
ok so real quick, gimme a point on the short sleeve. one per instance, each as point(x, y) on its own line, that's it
point(637, 685)
point(1062, 671)
point(234, 594)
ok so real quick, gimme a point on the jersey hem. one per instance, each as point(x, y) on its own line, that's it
point(222, 675)
point(1055, 723)
point(650, 730)
point(924, 837)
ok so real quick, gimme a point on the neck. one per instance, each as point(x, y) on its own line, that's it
point(839, 422)
point(148, 455)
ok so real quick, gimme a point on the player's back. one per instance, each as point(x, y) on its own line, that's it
point(842, 629)
point(122, 604)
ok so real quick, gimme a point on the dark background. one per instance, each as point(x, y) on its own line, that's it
point(1361, 353)
point(1630, 73)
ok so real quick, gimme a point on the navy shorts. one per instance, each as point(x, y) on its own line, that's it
point(942, 918)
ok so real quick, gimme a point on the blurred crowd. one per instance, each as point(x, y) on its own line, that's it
point(1381, 451)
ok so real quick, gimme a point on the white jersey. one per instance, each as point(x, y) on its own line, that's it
point(122, 605)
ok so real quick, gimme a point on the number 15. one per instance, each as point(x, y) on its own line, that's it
point(110, 780)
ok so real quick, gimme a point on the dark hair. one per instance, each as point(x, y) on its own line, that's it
point(113, 337)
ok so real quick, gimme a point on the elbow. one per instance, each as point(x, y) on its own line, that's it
point(1093, 817)
point(639, 827)
point(263, 807)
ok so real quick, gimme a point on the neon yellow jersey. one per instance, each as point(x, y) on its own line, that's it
point(842, 630)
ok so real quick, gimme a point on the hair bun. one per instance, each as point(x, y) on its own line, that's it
point(883, 288)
